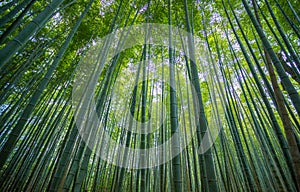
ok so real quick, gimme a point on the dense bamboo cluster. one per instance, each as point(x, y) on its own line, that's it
point(219, 94)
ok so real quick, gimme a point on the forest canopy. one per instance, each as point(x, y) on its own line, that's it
point(148, 95)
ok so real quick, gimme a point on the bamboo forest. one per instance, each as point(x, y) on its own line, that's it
point(150, 95)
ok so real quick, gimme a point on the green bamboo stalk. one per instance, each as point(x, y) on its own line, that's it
point(15, 134)
point(22, 38)
point(284, 78)
point(176, 162)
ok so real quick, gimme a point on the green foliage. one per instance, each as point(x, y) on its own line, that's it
point(41, 148)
